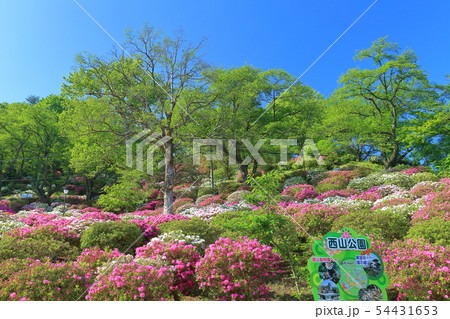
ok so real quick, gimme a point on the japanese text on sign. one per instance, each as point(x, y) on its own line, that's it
point(346, 243)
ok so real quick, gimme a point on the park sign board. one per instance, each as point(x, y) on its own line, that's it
point(344, 267)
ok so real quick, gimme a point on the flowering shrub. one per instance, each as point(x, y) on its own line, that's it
point(407, 209)
point(417, 269)
point(46, 281)
point(352, 205)
point(194, 227)
point(182, 257)
point(300, 192)
point(435, 205)
point(237, 270)
point(92, 258)
point(132, 281)
point(37, 219)
point(161, 219)
point(423, 188)
point(148, 230)
point(218, 199)
point(99, 215)
point(182, 201)
point(342, 193)
point(56, 231)
point(398, 179)
point(9, 224)
point(414, 170)
point(5, 209)
point(151, 205)
point(179, 236)
point(391, 202)
point(204, 213)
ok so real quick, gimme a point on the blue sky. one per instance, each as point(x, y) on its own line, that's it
point(39, 39)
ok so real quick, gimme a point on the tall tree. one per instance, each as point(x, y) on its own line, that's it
point(396, 90)
point(159, 89)
point(36, 147)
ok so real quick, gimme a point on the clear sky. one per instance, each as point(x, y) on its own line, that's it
point(40, 38)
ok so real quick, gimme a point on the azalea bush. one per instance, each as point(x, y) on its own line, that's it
point(435, 205)
point(378, 179)
point(92, 258)
point(300, 192)
point(9, 224)
point(416, 268)
point(194, 227)
point(341, 193)
point(46, 281)
point(132, 281)
point(237, 270)
point(182, 257)
point(179, 236)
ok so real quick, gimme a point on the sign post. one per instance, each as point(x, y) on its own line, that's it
point(344, 267)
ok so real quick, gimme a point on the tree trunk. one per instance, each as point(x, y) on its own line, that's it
point(168, 177)
point(244, 172)
point(88, 189)
point(255, 167)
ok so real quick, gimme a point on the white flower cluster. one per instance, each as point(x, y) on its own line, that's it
point(80, 225)
point(376, 179)
point(310, 201)
point(9, 224)
point(403, 209)
point(205, 213)
point(208, 212)
point(179, 236)
point(350, 204)
point(129, 216)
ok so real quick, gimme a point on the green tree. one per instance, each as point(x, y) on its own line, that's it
point(31, 136)
point(396, 90)
point(159, 89)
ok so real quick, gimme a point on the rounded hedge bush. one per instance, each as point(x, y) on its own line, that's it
point(36, 248)
point(121, 235)
point(383, 224)
point(434, 230)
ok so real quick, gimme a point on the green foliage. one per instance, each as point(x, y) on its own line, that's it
point(121, 235)
point(325, 187)
point(196, 226)
point(421, 177)
point(125, 195)
point(206, 191)
point(266, 188)
point(434, 230)
point(35, 248)
point(228, 187)
point(384, 225)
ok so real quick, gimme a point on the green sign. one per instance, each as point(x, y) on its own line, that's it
point(344, 267)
